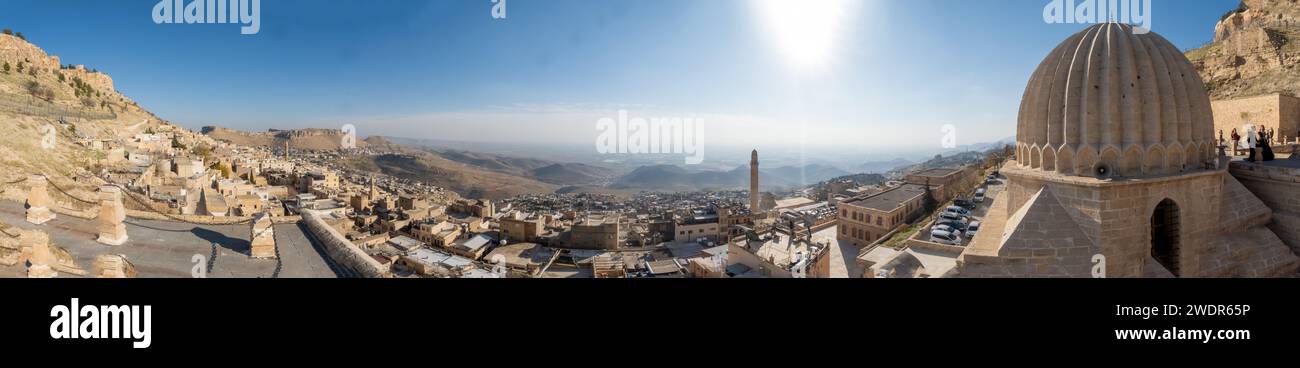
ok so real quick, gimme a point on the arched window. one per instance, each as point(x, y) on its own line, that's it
point(1165, 238)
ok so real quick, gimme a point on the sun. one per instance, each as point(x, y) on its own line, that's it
point(806, 33)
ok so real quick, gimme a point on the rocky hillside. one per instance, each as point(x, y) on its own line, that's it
point(37, 90)
point(306, 139)
point(1256, 50)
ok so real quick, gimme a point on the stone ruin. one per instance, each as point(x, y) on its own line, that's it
point(38, 201)
point(45, 260)
point(112, 266)
point(263, 237)
point(111, 215)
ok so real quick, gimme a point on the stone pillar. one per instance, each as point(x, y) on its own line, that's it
point(263, 237)
point(113, 266)
point(38, 201)
point(111, 214)
point(41, 259)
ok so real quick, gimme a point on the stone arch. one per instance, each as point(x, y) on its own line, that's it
point(1132, 164)
point(1035, 157)
point(1110, 156)
point(1049, 159)
point(1084, 161)
point(1193, 156)
point(1065, 160)
point(1175, 159)
point(1155, 160)
point(1166, 236)
point(1021, 156)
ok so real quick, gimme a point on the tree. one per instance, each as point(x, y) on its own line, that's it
point(34, 88)
point(930, 204)
point(8, 31)
point(20, 67)
point(6, 67)
point(21, 37)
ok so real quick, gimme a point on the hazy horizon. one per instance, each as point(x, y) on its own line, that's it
point(842, 75)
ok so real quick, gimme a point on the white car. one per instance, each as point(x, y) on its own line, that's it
point(972, 229)
point(957, 210)
point(946, 228)
point(954, 217)
point(979, 196)
point(944, 237)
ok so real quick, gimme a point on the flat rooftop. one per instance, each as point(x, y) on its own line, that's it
point(891, 199)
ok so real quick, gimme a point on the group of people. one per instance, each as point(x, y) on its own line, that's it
point(1258, 142)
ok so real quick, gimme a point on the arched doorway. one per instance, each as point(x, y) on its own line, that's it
point(1165, 241)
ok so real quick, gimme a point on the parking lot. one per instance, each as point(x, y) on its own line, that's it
point(992, 190)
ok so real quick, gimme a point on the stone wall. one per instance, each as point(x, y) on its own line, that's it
point(341, 250)
point(1054, 225)
point(1273, 111)
point(1279, 189)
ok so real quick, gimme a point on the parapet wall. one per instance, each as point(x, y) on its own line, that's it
point(1279, 188)
point(341, 250)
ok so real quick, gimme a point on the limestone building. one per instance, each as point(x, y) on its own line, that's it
point(864, 220)
point(1116, 169)
point(1277, 112)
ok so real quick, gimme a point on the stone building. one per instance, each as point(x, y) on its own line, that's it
point(1116, 174)
point(864, 220)
point(597, 232)
point(945, 181)
point(1273, 111)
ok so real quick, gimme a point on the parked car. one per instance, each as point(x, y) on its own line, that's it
point(979, 195)
point(944, 237)
point(965, 203)
point(957, 210)
point(952, 224)
point(954, 217)
point(950, 228)
point(972, 229)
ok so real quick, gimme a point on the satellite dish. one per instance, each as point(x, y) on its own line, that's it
point(1102, 171)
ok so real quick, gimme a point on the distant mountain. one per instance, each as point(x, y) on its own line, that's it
point(884, 166)
point(572, 174)
point(466, 180)
point(676, 178)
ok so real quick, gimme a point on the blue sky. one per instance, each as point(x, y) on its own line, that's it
point(892, 72)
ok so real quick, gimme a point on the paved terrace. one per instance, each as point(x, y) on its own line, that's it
point(161, 249)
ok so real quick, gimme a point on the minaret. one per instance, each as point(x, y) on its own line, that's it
point(753, 182)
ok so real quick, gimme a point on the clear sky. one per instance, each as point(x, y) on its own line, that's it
point(832, 73)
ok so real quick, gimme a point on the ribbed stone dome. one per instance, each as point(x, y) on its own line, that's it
point(1109, 98)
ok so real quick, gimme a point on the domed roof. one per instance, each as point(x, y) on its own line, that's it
point(1110, 100)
